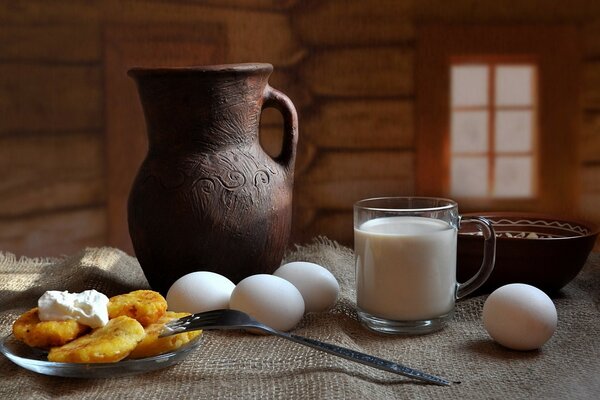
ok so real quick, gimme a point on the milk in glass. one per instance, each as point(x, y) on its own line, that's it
point(405, 267)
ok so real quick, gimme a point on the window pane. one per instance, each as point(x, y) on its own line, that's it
point(514, 85)
point(514, 131)
point(469, 85)
point(513, 176)
point(469, 176)
point(469, 131)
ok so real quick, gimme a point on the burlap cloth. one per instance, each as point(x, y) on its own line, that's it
point(237, 365)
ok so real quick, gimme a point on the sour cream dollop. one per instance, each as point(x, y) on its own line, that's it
point(89, 307)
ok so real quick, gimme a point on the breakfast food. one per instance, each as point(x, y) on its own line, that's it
point(520, 316)
point(44, 334)
point(200, 291)
point(318, 286)
point(136, 322)
point(152, 344)
point(269, 299)
point(111, 343)
point(87, 308)
point(145, 306)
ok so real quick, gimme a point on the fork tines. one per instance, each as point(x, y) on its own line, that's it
point(191, 323)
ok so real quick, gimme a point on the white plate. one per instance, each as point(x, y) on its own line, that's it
point(36, 360)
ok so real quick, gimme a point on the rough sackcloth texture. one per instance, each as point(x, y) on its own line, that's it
point(241, 365)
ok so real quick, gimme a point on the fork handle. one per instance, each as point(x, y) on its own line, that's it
point(363, 358)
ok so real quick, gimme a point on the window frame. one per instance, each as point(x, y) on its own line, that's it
point(492, 108)
point(557, 52)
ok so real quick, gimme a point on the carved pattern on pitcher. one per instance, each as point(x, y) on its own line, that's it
point(231, 177)
point(261, 178)
point(233, 181)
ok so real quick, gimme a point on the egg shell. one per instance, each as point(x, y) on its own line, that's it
point(520, 316)
point(199, 291)
point(269, 299)
point(318, 286)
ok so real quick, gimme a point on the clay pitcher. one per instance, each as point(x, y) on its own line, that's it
point(207, 196)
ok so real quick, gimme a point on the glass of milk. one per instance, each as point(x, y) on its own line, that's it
point(405, 260)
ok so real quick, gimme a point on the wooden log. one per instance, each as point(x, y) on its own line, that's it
point(335, 225)
point(51, 42)
point(590, 85)
point(305, 156)
point(590, 180)
point(354, 22)
point(590, 195)
point(590, 154)
point(351, 165)
point(42, 173)
point(505, 12)
point(52, 98)
point(591, 40)
point(590, 138)
point(41, 11)
point(360, 71)
point(589, 200)
point(337, 180)
point(390, 21)
point(361, 124)
point(254, 4)
point(251, 35)
point(343, 195)
point(464, 11)
point(54, 234)
point(71, 10)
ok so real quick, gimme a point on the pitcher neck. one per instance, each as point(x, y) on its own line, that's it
point(203, 107)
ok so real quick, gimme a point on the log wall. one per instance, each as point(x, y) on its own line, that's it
point(348, 65)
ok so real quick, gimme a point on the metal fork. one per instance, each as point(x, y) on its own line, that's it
point(234, 319)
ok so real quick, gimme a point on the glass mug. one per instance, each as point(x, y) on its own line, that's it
point(405, 260)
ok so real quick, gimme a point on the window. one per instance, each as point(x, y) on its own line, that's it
point(492, 128)
point(497, 115)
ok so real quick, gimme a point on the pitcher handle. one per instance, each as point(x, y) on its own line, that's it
point(489, 256)
point(274, 98)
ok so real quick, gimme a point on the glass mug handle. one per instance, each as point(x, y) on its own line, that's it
point(489, 256)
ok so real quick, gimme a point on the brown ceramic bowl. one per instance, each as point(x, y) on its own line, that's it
point(540, 250)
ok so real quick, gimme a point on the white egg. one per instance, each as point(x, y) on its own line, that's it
point(318, 286)
point(269, 299)
point(520, 316)
point(200, 291)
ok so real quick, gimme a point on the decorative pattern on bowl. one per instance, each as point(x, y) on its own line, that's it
point(535, 228)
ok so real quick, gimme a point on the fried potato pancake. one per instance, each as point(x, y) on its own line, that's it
point(111, 343)
point(146, 306)
point(44, 334)
point(152, 345)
